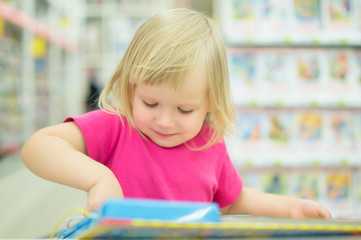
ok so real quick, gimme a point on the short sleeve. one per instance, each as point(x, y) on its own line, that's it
point(100, 131)
point(230, 183)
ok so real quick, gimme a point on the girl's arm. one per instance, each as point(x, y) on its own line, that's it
point(58, 153)
point(254, 202)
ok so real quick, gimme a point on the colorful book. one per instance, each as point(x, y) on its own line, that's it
point(274, 15)
point(306, 15)
point(339, 14)
point(310, 129)
point(113, 225)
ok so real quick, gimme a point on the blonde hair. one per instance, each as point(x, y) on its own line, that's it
point(167, 48)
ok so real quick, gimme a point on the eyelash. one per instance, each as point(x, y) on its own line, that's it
point(152, 105)
point(184, 111)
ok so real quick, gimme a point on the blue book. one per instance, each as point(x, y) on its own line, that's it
point(128, 210)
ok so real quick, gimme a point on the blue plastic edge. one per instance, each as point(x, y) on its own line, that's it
point(147, 209)
point(164, 210)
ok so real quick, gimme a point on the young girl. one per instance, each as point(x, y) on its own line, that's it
point(160, 132)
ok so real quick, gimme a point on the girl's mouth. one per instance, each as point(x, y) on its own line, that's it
point(164, 135)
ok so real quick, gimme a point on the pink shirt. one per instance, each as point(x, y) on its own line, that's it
point(146, 170)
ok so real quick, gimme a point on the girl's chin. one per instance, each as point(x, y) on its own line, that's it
point(166, 144)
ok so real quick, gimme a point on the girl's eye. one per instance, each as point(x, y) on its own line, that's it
point(150, 104)
point(184, 111)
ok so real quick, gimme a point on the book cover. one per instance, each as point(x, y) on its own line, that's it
point(306, 184)
point(275, 182)
point(308, 67)
point(251, 130)
point(309, 131)
point(250, 126)
point(339, 69)
point(338, 14)
point(274, 16)
point(338, 190)
point(306, 15)
point(279, 129)
point(239, 19)
point(243, 75)
point(342, 132)
point(339, 76)
point(231, 226)
point(277, 67)
point(242, 68)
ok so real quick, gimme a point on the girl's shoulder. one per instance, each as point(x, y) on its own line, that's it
point(104, 115)
point(101, 118)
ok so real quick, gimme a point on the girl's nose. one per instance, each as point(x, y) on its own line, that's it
point(165, 119)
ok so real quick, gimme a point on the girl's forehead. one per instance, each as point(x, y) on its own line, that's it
point(166, 94)
point(193, 85)
point(194, 77)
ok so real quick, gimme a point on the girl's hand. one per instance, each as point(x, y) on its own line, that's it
point(102, 190)
point(254, 202)
point(308, 209)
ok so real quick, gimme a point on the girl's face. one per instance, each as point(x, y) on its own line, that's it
point(171, 117)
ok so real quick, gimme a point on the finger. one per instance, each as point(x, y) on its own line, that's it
point(312, 210)
point(91, 206)
point(296, 213)
point(315, 210)
point(324, 213)
point(308, 210)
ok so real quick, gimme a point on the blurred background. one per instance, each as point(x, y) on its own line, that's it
point(295, 68)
